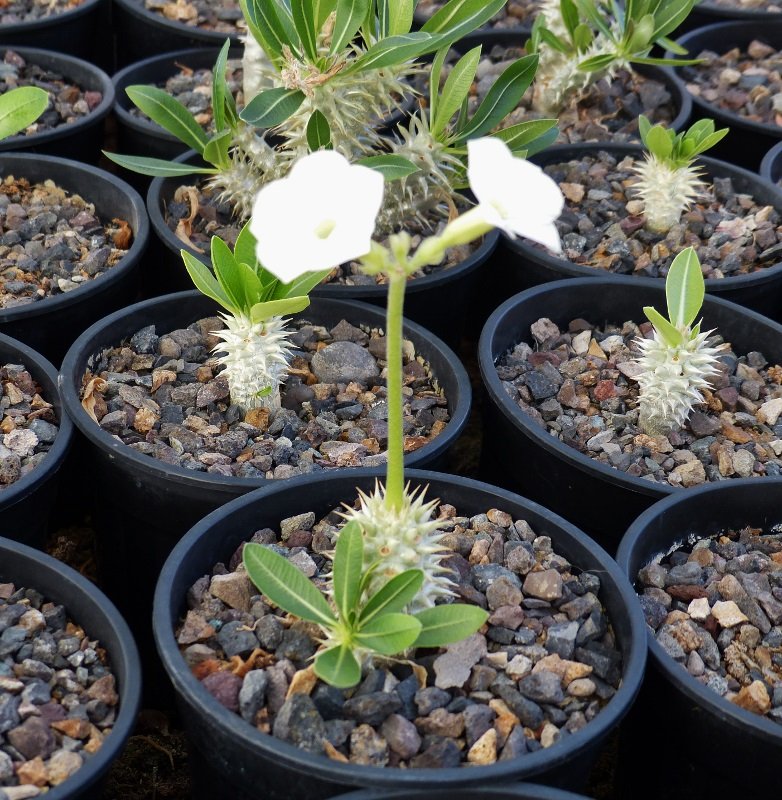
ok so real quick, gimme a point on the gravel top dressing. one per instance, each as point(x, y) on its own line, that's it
point(541, 668)
point(745, 82)
point(514, 14)
point(13, 12)
point(163, 395)
point(579, 385)
point(52, 241)
point(602, 225)
point(716, 609)
point(58, 697)
point(222, 16)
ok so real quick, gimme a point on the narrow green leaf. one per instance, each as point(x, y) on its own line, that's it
point(395, 50)
point(217, 149)
point(205, 281)
point(318, 132)
point(670, 17)
point(589, 11)
point(244, 249)
point(569, 15)
point(434, 82)
point(659, 142)
point(285, 585)
point(644, 126)
point(272, 107)
point(338, 667)
point(303, 13)
point(457, 87)
point(278, 308)
point(553, 41)
point(523, 134)
point(684, 289)
point(302, 285)
point(583, 38)
point(442, 625)
point(670, 335)
point(20, 107)
point(228, 274)
point(502, 98)
point(157, 166)
point(347, 568)
point(394, 595)
point(350, 15)
point(673, 47)
point(710, 141)
point(391, 167)
point(597, 63)
point(266, 26)
point(220, 87)
point(400, 16)
point(640, 37)
point(169, 113)
point(458, 18)
point(389, 634)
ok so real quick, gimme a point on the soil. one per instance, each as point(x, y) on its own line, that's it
point(515, 14)
point(16, 11)
point(68, 102)
point(602, 224)
point(744, 82)
point(221, 16)
point(52, 242)
point(579, 385)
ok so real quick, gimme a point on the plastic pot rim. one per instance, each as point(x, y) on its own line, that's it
point(525, 424)
point(65, 64)
point(152, 467)
point(135, 8)
point(33, 361)
point(351, 774)
point(332, 291)
point(728, 712)
point(521, 791)
point(563, 267)
point(33, 25)
point(122, 101)
point(126, 654)
point(716, 112)
point(736, 14)
point(770, 160)
point(95, 286)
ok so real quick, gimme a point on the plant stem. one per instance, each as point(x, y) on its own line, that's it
point(395, 471)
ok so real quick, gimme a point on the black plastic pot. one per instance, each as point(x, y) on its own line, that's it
point(529, 265)
point(71, 31)
point(694, 722)
point(241, 762)
point(747, 140)
point(25, 506)
point(139, 135)
point(142, 33)
point(525, 791)
point(439, 301)
point(80, 140)
point(521, 455)
point(89, 607)
point(51, 325)
point(706, 13)
point(143, 506)
point(771, 165)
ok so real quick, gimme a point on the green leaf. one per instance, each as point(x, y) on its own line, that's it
point(350, 15)
point(170, 114)
point(458, 18)
point(434, 82)
point(640, 37)
point(220, 87)
point(673, 47)
point(318, 132)
point(457, 87)
point(395, 50)
point(278, 308)
point(389, 634)
point(391, 167)
point(502, 98)
point(205, 281)
point(157, 166)
point(525, 133)
point(588, 10)
point(583, 38)
point(400, 16)
point(553, 41)
point(20, 107)
point(445, 624)
point(266, 27)
point(217, 149)
point(670, 335)
point(302, 285)
point(303, 13)
point(597, 63)
point(669, 16)
point(644, 126)
point(394, 595)
point(569, 15)
point(272, 107)
point(285, 585)
point(229, 275)
point(710, 141)
point(347, 569)
point(659, 143)
point(684, 289)
point(244, 249)
point(338, 666)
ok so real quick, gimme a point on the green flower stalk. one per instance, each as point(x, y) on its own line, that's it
point(668, 179)
point(677, 362)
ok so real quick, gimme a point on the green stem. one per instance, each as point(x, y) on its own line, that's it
point(395, 469)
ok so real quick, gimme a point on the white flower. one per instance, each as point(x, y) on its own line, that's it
point(319, 216)
point(514, 194)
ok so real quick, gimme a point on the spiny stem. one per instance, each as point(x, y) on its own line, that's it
point(395, 476)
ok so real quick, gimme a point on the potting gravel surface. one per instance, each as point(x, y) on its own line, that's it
point(67, 101)
point(745, 82)
point(164, 396)
point(222, 16)
point(28, 429)
point(58, 696)
point(52, 242)
point(15, 11)
point(602, 225)
point(579, 385)
point(514, 14)
point(193, 88)
point(537, 673)
point(716, 609)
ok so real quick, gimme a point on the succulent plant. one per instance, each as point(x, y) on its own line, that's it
point(20, 107)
